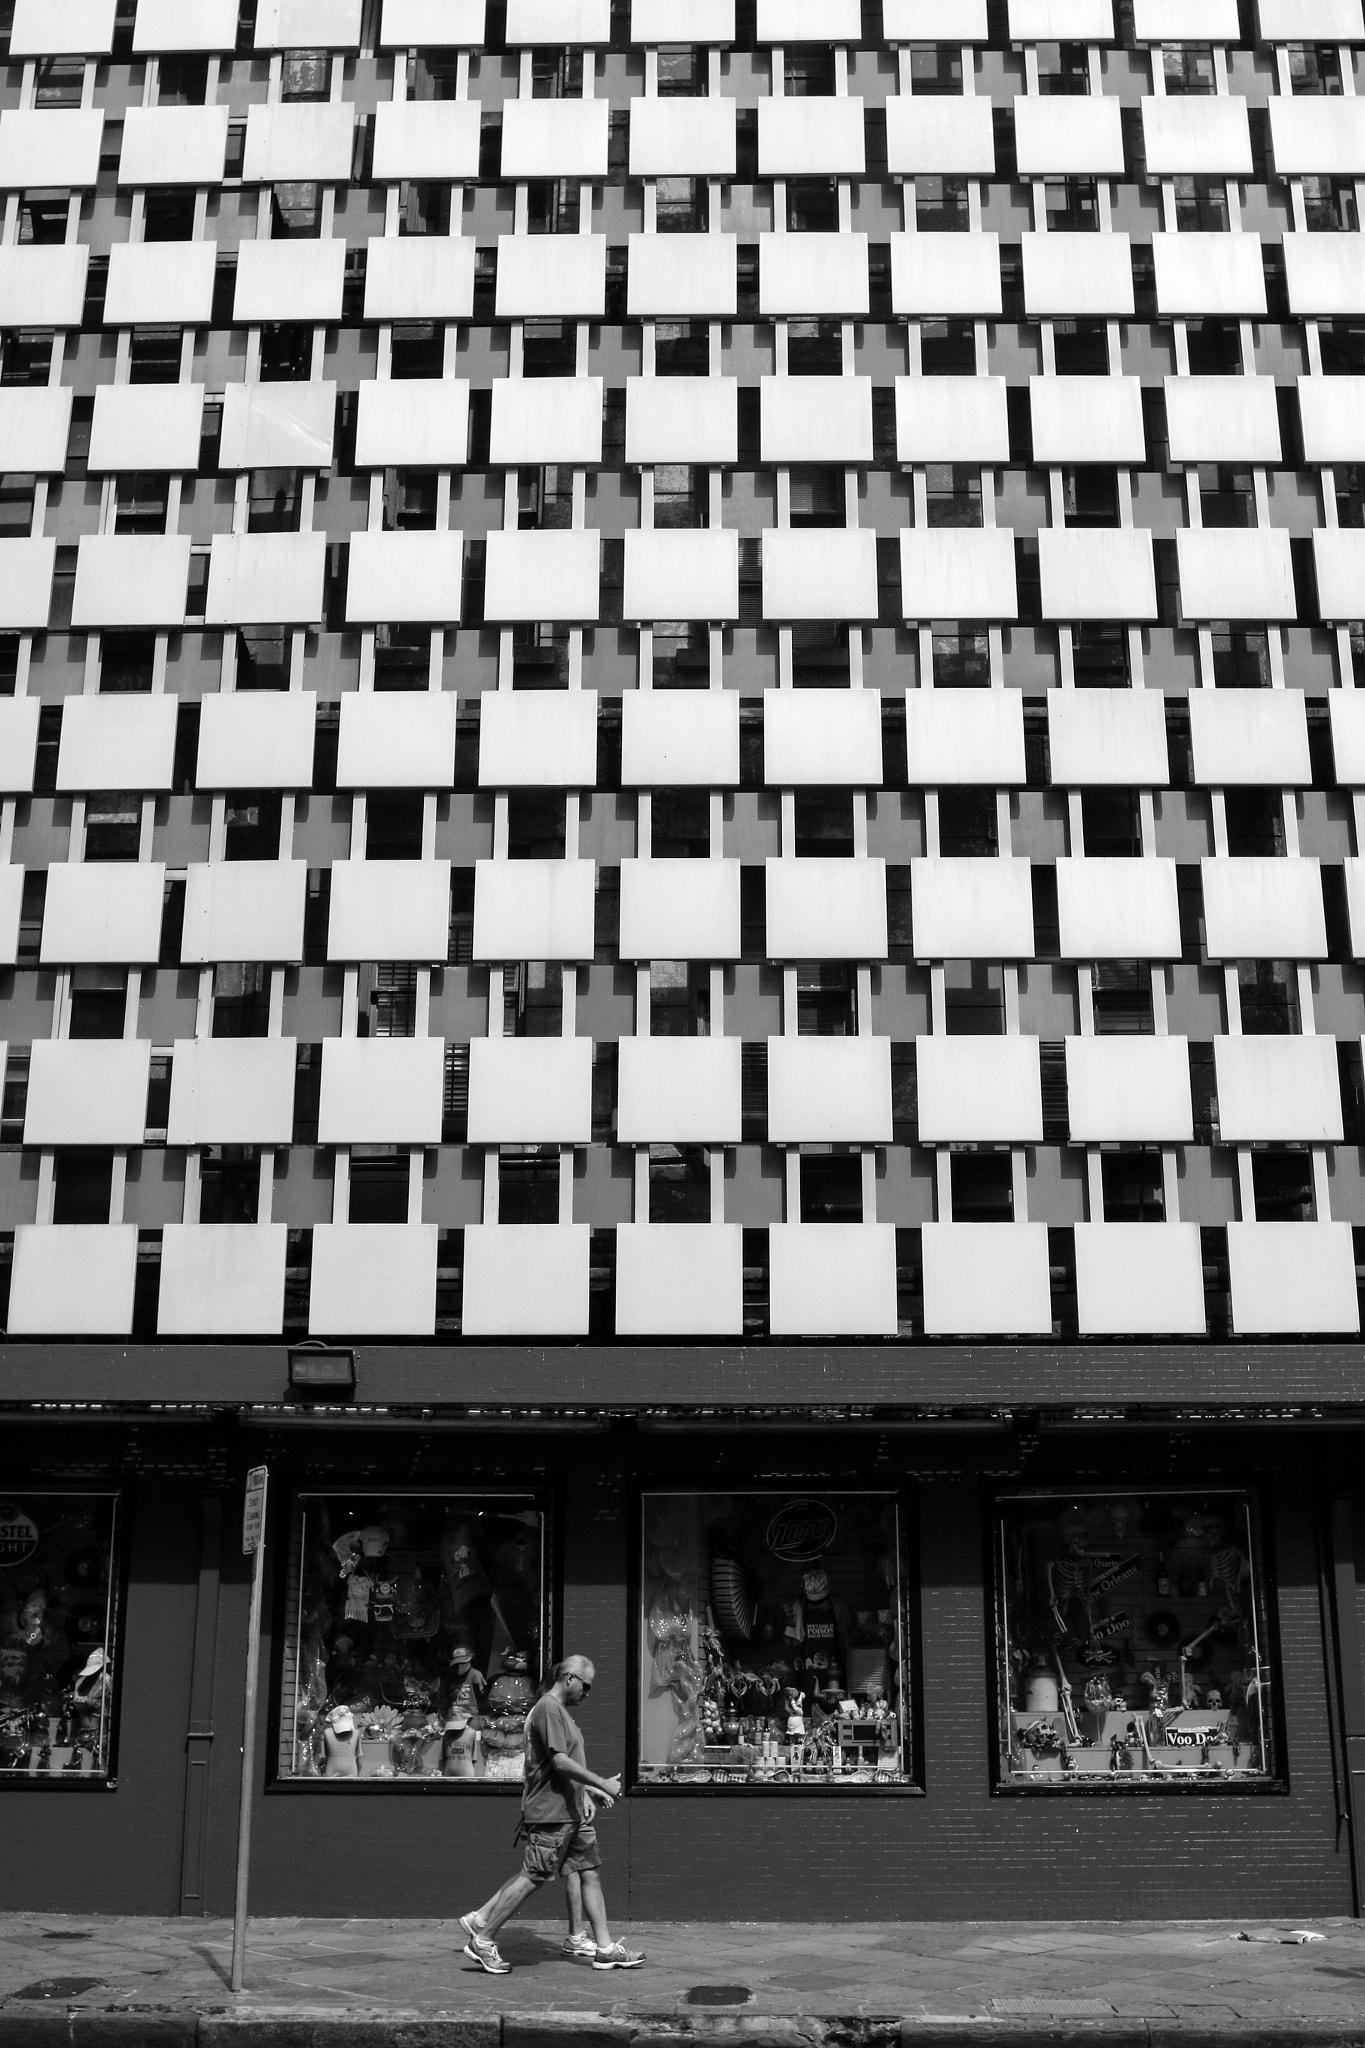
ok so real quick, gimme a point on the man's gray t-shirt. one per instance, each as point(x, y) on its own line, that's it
point(547, 1799)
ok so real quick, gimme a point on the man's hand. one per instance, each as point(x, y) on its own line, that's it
point(609, 1791)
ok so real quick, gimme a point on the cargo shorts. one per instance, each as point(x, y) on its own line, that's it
point(562, 1846)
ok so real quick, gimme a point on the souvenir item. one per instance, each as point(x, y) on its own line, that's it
point(341, 1744)
point(57, 1621)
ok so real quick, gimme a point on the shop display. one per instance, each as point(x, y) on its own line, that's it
point(772, 1640)
point(1132, 1641)
point(416, 1638)
point(57, 1648)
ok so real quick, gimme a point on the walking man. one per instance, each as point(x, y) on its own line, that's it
point(558, 1800)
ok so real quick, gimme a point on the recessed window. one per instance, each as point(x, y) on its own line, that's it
point(1255, 822)
point(1201, 204)
point(533, 999)
point(952, 494)
point(1268, 997)
point(1090, 495)
point(982, 1187)
point(528, 1184)
point(812, 206)
point(680, 495)
point(423, 207)
point(936, 67)
point(968, 824)
point(680, 824)
point(379, 1181)
point(947, 348)
point(1189, 68)
point(1241, 658)
point(818, 496)
point(113, 825)
point(296, 210)
point(810, 70)
point(1314, 68)
point(536, 825)
point(1080, 348)
point(1282, 1182)
point(305, 75)
point(1215, 347)
point(98, 1002)
point(82, 1184)
point(1099, 656)
point(229, 1184)
point(182, 81)
point(1063, 68)
point(815, 348)
point(831, 1187)
point(679, 1184)
point(1072, 204)
point(827, 1000)
point(1329, 205)
point(973, 999)
point(154, 355)
point(1132, 1186)
point(1111, 821)
point(682, 71)
point(681, 206)
point(43, 217)
point(941, 205)
point(287, 352)
point(1227, 496)
point(679, 999)
point(141, 502)
point(168, 216)
point(393, 824)
point(961, 657)
point(253, 820)
point(1121, 998)
point(824, 822)
point(241, 999)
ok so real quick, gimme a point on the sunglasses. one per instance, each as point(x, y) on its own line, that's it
point(586, 1683)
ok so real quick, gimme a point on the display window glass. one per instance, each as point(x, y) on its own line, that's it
point(1132, 1641)
point(58, 1611)
point(772, 1641)
point(416, 1636)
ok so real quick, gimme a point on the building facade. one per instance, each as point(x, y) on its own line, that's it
point(681, 908)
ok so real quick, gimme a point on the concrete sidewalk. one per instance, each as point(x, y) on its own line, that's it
point(90, 1982)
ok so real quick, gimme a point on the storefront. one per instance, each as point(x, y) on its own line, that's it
point(896, 1664)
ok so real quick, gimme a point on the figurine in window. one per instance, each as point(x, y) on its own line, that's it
point(459, 1747)
point(464, 1685)
point(824, 1627)
point(340, 1744)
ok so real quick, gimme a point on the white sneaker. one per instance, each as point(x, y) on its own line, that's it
point(617, 1957)
point(580, 1948)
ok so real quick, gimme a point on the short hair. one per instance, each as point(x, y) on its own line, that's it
point(568, 1667)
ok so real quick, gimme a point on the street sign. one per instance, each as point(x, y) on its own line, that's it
point(253, 1512)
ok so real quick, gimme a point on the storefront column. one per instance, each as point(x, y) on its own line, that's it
point(1351, 1681)
point(199, 1733)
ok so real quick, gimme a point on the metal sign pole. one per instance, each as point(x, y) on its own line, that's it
point(253, 1545)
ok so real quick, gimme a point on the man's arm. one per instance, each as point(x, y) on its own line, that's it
point(579, 1774)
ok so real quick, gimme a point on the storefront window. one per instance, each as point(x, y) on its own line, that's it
point(1132, 1641)
point(58, 1583)
point(416, 1637)
point(772, 1645)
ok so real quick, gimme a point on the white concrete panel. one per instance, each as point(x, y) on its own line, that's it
point(1250, 736)
point(412, 422)
point(1190, 135)
point(1206, 271)
point(1097, 573)
point(809, 21)
point(426, 139)
point(682, 138)
point(951, 572)
point(35, 425)
point(802, 135)
point(222, 1279)
point(815, 419)
point(292, 280)
point(1317, 135)
point(1067, 21)
point(679, 1091)
point(546, 419)
point(419, 277)
point(551, 276)
point(87, 1091)
point(389, 910)
point(986, 1280)
point(1064, 137)
point(1139, 1280)
point(956, 274)
point(404, 578)
point(1222, 419)
point(679, 1280)
point(1346, 710)
point(266, 579)
point(160, 284)
point(952, 419)
point(558, 22)
point(1174, 21)
point(829, 1090)
point(11, 903)
point(1339, 562)
point(73, 1280)
point(1260, 908)
point(1088, 419)
point(397, 739)
point(928, 21)
point(1354, 870)
point(1306, 21)
point(118, 742)
point(373, 1280)
point(308, 24)
point(554, 138)
point(145, 426)
point(1086, 274)
point(549, 575)
point(102, 912)
point(529, 1091)
point(538, 739)
point(1332, 416)
point(682, 574)
point(246, 910)
point(381, 1091)
point(1292, 1279)
point(433, 24)
point(42, 285)
point(826, 909)
point(1129, 1090)
point(1325, 274)
point(1276, 1091)
point(130, 579)
point(937, 135)
point(278, 426)
point(76, 28)
point(979, 1091)
point(682, 419)
point(534, 909)
point(525, 1280)
point(679, 910)
point(832, 1279)
point(967, 909)
point(812, 273)
point(1236, 573)
point(815, 737)
point(184, 25)
point(50, 148)
point(19, 744)
point(298, 139)
point(232, 1091)
point(255, 739)
point(682, 21)
point(1100, 738)
point(682, 738)
point(26, 568)
point(678, 275)
point(964, 736)
point(1115, 909)
point(173, 146)
point(819, 573)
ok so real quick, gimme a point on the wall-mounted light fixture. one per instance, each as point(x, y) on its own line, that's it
point(321, 1372)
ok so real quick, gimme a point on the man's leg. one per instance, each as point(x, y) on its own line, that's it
point(594, 1905)
point(503, 1904)
point(573, 1888)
